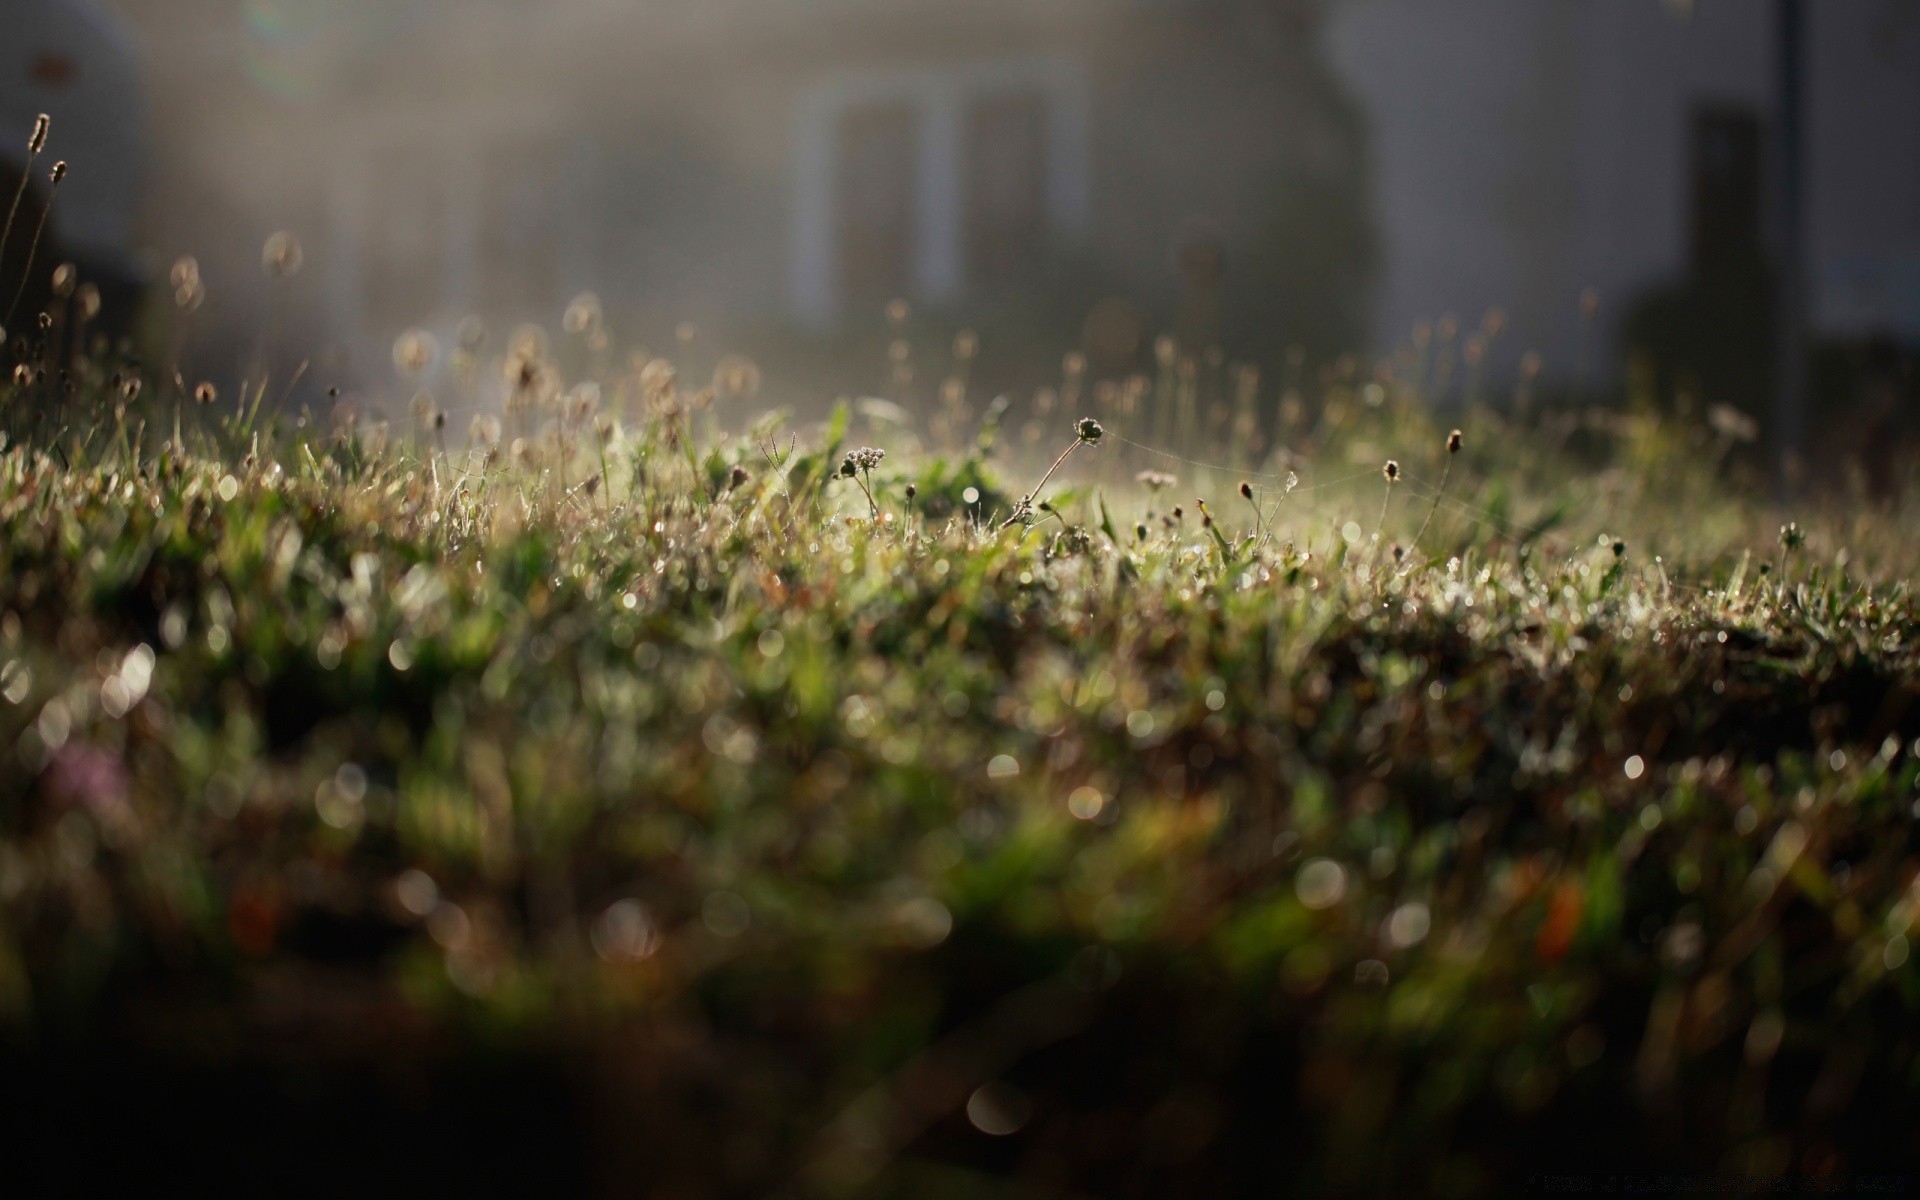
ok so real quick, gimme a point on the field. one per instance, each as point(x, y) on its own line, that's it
point(591, 800)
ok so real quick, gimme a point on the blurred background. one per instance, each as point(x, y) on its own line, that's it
point(1713, 203)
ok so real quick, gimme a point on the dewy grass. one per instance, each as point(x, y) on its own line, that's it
point(601, 765)
point(881, 836)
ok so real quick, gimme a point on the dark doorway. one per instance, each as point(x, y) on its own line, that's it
point(874, 190)
point(1006, 155)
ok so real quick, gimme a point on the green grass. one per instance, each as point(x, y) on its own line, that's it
point(804, 846)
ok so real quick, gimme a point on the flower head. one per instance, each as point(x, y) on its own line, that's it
point(1089, 431)
point(282, 255)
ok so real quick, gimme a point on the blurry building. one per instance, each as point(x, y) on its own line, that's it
point(1528, 151)
point(1258, 172)
point(766, 164)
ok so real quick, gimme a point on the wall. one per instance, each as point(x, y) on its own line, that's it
point(1528, 151)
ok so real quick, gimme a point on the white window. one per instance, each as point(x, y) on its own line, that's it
point(932, 183)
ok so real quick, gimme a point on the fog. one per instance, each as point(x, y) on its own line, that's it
point(1531, 194)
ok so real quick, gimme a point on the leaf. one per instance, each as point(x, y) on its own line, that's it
point(1220, 540)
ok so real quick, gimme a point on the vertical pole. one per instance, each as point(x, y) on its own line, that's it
point(1790, 399)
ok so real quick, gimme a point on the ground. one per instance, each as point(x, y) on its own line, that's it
point(631, 809)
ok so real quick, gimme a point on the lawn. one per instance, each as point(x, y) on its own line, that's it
point(588, 800)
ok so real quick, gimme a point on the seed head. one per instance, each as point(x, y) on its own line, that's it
point(1140, 531)
point(657, 378)
point(439, 419)
point(472, 334)
point(1089, 431)
point(912, 491)
point(736, 376)
point(736, 478)
point(59, 172)
point(38, 140)
point(1790, 535)
point(282, 255)
point(205, 394)
point(583, 315)
point(1391, 471)
point(866, 458)
point(1155, 481)
point(1246, 490)
point(1453, 442)
point(414, 352)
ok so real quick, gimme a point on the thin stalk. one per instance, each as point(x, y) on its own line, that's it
point(1021, 510)
point(35, 144)
point(1393, 477)
point(1259, 518)
point(33, 247)
point(1035, 494)
point(1446, 473)
point(1087, 432)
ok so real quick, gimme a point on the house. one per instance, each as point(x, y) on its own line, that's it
point(770, 165)
point(1258, 173)
point(1527, 153)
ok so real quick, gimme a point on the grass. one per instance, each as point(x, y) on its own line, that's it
point(797, 837)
